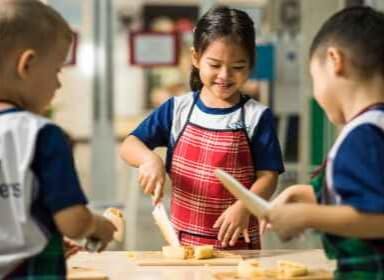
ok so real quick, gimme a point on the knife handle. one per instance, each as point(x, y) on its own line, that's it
point(156, 193)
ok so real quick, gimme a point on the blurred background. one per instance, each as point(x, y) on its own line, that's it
point(132, 55)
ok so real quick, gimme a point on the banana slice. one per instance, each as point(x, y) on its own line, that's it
point(188, 252)
point(290, 269)
point(203, 252)
point(249, 268)
point(175, 252)
point(117, 218)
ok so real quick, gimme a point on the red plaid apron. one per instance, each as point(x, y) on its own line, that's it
point(198, 198)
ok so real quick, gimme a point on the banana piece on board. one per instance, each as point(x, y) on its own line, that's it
point(251, 269)
point(203, 252)
point(175, 252)
point(117, 218)
point(188, 252)
point(290, 269)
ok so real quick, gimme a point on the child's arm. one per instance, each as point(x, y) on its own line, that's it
point(151, 166)
point(296, 193)
point(136, 150)
point(59, 188)
point(78, 222)
point(346, 221)
point(291, 219)
point(265, 183)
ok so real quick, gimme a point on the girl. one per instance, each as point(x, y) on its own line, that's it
point(213, 126)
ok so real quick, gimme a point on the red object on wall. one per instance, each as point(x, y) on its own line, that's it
point(184, 25)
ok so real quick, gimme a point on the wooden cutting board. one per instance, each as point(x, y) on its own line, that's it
point(155, 258)
point(313, 275)
point(83, 273)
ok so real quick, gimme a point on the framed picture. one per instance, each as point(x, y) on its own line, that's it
point(150, 49)
point(72, 53)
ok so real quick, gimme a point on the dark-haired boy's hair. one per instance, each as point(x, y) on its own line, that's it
point(222, 22)
point(360, 32)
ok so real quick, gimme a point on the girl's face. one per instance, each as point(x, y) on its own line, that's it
point(224, 68)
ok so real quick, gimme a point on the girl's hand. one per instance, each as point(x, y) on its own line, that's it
point(233, 222)
point(289, 220)
point(152, 177)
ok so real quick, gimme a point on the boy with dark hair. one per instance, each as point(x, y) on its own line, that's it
point(347, 68)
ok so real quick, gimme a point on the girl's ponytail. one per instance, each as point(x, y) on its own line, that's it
point(194, 80)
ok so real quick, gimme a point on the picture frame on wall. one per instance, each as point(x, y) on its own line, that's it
point(151, 49)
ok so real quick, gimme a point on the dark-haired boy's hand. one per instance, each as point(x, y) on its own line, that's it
point(283, 198)
point(289, 220)
point(291, 195)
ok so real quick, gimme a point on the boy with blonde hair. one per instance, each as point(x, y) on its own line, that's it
point(40, 196)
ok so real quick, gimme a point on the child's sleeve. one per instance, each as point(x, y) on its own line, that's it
point(358, 170)
point(265, 145)
point(155, 130)
point(54, 168)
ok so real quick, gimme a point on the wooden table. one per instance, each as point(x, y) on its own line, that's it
point(117, 264)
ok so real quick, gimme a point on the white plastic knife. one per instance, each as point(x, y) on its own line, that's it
point(254, 203)
point(161, 218)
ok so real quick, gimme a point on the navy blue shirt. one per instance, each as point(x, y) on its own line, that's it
point(53, 165)
point(358, 171)
point(155, 131)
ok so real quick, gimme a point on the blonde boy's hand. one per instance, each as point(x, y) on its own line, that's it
point(289, 220)
point(71, 247)
point(103, 232)
point(152, 177)
point(233, 222)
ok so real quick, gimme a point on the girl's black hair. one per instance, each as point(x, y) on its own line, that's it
point(360, 32)
point(222, 22)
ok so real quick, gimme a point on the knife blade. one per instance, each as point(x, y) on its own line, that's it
point(161, 218)
point(257, 205)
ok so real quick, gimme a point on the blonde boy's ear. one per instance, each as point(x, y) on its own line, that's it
point(26, 59)
point(337, 60)
point(195, 58)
